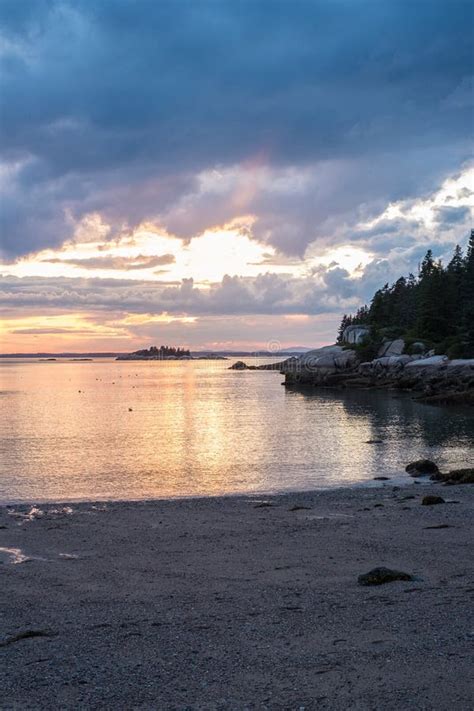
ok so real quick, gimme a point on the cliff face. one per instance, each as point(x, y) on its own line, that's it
point(431, 378)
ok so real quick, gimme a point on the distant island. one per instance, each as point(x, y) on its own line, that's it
point(166, 353)
point(154, 353)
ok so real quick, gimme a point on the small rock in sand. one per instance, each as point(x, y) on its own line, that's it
point(379, 576)
point(381, 478)
point(374, 441)
point(432, 500)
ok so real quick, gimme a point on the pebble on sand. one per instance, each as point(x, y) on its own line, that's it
point(379, 576)
point(432, 500)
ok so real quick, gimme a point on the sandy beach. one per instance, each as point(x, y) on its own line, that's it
point(226, 603)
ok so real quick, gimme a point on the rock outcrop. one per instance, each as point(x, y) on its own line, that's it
point(240, 365)
point(318, 366)
point(392, 348)
point(431, 378)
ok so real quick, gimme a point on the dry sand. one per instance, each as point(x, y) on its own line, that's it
point(219, 604)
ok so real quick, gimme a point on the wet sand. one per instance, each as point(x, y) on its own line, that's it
point(226, 604)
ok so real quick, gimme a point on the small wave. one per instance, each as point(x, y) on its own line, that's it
point(15, 555)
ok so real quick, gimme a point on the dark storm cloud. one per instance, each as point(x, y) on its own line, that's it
point(117, 106)
point(452, 215)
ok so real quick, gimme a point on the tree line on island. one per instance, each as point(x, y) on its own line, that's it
point(436, 307)
point(163, 352)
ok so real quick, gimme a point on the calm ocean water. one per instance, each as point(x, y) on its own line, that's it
point(197, 428)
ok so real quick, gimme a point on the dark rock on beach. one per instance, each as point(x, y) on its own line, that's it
point(379, 576)
point(456, 476)
point(432, 500)
point(422, 467)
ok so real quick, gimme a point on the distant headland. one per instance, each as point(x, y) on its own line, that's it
point(417, 335)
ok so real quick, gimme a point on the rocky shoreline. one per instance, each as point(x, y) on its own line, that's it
point(429, 378)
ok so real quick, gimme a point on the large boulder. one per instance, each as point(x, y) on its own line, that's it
point(434, 361)
point(346, 359)
point(239, 365)
point(328, 357)
point(320, 366)
point(392, 348)
point(391, 361)
point(355, 334)
point(422, 467)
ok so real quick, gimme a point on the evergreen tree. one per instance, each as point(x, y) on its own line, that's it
point(345, 322)
point(433, 314)
point(467, 296)
point(436, 307)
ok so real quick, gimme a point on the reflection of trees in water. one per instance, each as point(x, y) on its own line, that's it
point(398, 416)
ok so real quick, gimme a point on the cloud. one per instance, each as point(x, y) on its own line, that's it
point(52, 330)
point(452, 215)
point(265, 294)
point(119, 263)
point(125, 110)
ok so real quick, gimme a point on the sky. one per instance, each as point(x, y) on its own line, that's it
point(224, 174)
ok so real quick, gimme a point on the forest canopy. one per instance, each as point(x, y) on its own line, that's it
point(436, 307)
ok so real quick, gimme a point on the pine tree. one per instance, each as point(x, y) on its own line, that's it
point(437, 307)
point(467, 295)
point(345, 322)
point(433, 314)
point(454, 285)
